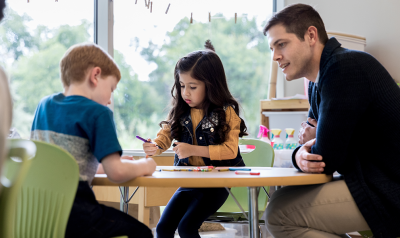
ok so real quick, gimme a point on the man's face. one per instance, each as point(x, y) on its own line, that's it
point(292, 54)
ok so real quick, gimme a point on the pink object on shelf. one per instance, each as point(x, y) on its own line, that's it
point(250, 147)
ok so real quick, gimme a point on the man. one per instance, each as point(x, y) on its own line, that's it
point(352, 97)
point(5, 105)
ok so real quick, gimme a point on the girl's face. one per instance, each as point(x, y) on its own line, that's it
point(193, 91)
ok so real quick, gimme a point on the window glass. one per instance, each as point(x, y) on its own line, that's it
point(148, 42)
point(33, 38)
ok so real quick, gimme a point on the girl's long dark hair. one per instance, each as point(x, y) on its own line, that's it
point(206, 66)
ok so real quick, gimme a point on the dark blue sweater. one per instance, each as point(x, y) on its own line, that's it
point(357, 106)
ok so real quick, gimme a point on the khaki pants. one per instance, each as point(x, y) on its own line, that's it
point(326, 210)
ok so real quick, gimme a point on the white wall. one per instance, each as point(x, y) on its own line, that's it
point(378, 21)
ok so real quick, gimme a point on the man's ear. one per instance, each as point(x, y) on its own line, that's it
point(94, 76)
point(312, 34)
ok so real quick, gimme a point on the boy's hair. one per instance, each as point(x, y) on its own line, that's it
point(297, 18)
point(2, 6)
point(205, 66)
point(79, 58)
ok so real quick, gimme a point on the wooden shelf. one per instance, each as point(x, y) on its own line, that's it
point(268, 105)
point(284, 105)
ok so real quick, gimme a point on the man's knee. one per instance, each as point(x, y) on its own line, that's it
point(273, 214)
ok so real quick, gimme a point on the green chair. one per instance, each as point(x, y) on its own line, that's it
point(261, 156)
point(14, 172)
point(45, 199)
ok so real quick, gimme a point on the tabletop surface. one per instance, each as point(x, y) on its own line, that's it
point(268, 177)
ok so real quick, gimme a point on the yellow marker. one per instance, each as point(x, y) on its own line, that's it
point(168, 170)
point(220, 170)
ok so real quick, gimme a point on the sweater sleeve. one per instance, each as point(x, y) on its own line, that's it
point(228, 149)
point(163, 139)
point(345, 96)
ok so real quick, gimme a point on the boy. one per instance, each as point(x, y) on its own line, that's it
point(79, 121)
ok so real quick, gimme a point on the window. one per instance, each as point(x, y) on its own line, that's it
point(33, 38)
point(35, 35)
point(148, 44)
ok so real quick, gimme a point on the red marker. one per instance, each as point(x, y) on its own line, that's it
point(247, 173)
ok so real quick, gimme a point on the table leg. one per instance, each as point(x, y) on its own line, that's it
point(254, 231)
point(124, 200)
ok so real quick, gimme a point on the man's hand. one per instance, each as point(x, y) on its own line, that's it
point(307, 162)
point(308, 132)
point(183, 150)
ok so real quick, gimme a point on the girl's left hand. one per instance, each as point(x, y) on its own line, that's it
point(183, 150)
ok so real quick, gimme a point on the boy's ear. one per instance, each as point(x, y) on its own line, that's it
point(95, 75)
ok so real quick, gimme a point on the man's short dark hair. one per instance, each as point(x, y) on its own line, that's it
point(2, 6)
point(297, 18)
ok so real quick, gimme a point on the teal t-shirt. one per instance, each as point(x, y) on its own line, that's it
point(81, 126)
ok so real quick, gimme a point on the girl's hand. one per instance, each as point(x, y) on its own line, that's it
point(183, 150)
point(149, 148)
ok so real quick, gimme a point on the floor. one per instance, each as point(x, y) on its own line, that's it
point(231, 230)
point(237, 231)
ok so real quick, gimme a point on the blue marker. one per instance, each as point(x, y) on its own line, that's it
point(238, 168)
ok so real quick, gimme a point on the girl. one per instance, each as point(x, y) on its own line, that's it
point(205, 121)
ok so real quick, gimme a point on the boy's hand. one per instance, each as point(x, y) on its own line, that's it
point(149, 165)
point(307, 162)
point(308, 132)
point(127, 157)
point(183, 150)
point(149, 148)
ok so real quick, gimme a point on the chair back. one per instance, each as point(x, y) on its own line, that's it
point(47, 193)
point(261, 156)
point(15, 169)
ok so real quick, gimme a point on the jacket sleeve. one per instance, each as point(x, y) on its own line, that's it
point(163, 139)
point(228, 149)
